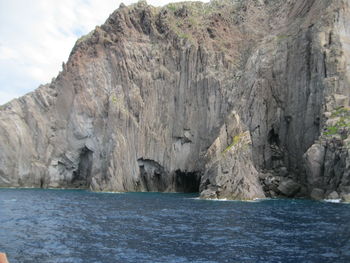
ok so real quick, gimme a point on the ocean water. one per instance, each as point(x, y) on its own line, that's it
point(56, 226)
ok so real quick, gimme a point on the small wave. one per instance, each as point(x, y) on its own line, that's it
point(332, 200)
point(110, 192)
point(216, 199)
point(220, 200)
point(228, 200)
point(263, 199)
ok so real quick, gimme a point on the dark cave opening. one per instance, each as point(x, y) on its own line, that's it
point(276, 153)
point(154, 178)
point(187, 182)
point(82, 176)
point(273, 138)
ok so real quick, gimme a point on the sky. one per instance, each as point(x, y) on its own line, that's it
point(36, 36)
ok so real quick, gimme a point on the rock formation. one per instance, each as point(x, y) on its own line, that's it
point(237, 99)
point(229, 172)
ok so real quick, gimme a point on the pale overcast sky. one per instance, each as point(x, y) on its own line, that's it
point(36, 36)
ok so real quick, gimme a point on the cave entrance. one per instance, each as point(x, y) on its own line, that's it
point(276, 153)
point(155, 178)
point(187, 182)
point(273, 138)
point(82, 176)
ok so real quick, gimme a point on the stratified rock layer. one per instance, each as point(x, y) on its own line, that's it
point(143, 100)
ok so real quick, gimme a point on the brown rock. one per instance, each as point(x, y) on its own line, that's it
point(3, 258)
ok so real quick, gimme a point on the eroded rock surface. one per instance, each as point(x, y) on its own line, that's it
point(229, 171)
point(143, 99)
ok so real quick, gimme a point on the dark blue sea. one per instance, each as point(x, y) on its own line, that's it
point(59, 226)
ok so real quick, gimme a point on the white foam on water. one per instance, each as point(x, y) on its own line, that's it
point(220, 200)
point(263, 199)
point(109, 192)
point(217, 200)
point(332, 200)
point(230, 200)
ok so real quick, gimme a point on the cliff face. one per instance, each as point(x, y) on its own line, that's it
point(145, 103)
point(294, 78)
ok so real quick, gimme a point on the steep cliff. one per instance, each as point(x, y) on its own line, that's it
point(144, 103)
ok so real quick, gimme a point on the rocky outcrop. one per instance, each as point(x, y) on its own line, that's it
point(327, 160)
point(145, 103)
point(229, 171)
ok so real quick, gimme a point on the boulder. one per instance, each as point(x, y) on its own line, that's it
point(210, 193)
point(345, 198)
point(314, 159)
point(333, 195)
point(317, 194)
point(341, 100)
point(289, 188)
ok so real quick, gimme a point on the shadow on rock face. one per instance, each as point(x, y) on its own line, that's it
point(82, 176)
point(187, 182)
point(154, 178)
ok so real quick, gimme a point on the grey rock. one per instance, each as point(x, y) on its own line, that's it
point(332, 121)
point(303, 192)
point(317, 194)
point(314, 158)
point(210, 193)
point(283, 172)
point(333, 195)
point(289, 188)
point(229, 169)
point(345, 198)
point(341, 100)
point(264, 175)
point(270, 185)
